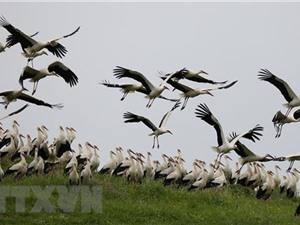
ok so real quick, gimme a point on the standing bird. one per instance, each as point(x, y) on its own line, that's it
point(31, 46)
point(157, 131)
point(54, 69)
point(188, 92)
point(19, 169)
point(290, 96)
point(73, 176)
point(152, 91)
point(225, 146)
point(280, 119)
point(13, 95)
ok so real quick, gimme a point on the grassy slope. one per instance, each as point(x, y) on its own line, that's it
point(152, 203)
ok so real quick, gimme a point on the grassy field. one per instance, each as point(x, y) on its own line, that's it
point(152, 203)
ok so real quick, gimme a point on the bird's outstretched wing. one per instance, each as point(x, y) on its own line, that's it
point(133, 118)
point(121, 72)
point(205, 114)
point(17, 35)
point(58, 49)
point(65, 72)
point(28, 73)
point(167, 115)
point(15, 112)
point(241, 149)
point(282, 86)
point(223, 87)
point(36, 101)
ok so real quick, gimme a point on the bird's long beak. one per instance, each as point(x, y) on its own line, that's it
point(203, 72)
point(272, 157)
point(45, 128)
point(209, 93)
point(170, 132)
point(24, 88)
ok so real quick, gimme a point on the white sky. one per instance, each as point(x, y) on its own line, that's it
point(230, 41)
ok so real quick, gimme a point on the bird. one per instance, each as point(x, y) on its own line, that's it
point(280, 119)
point(19, 169)
point(31, 56)
point(157, 131)
point(54, 69)
point(13, 95)
point(297, 211)
point(127, 88)
point(291, 158)
point(86, 173)
point(31, 46)
point(195, 76)
point(225, 146)
point(110, 165)
point(290, 96)
point(188, 92)
point(265, 190)
point(291, 188)
point(73, 176)
point(10, 38)
point(152, 91)
point(247, 156)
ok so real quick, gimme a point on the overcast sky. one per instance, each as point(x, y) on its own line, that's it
point(230, 41)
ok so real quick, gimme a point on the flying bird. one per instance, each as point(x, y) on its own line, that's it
point(290, 96)
point(280, 119)
point(291, 158)
point(157, 131)
point(195, 76)
point(152, 91)
point(188, 92)
point(130, 88)
point(13, 95)
point(54, 69)
point(224, 145)
point(246, 155)
point(31, 46)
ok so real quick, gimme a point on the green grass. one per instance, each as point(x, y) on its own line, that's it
point(152, 203)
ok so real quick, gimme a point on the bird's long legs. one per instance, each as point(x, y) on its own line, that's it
point(278, 130)
point(288, 111)
point(124, 96)
point(154, 142)
point(150, 102)
point(34, 87)
point(184, 103)
point(291, 165)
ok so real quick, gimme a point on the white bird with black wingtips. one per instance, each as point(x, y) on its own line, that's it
point(280, 119)
point(54, 69)
point(224, 146)
point(157, 131)
point(31, 46)
point(153, 91)
point(13, 95)
point(188, 92)
point(290, 96)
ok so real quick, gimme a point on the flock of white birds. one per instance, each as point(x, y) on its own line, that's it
point(40, 156)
